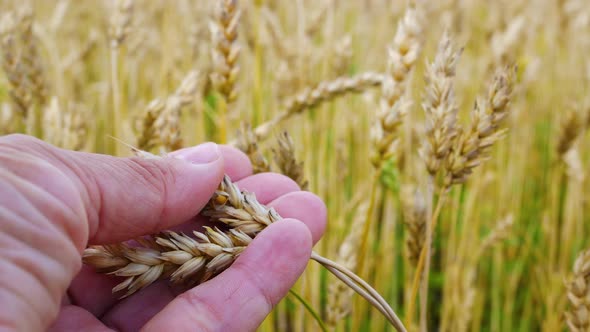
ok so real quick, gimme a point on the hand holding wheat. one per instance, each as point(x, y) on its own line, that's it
point(53, 203)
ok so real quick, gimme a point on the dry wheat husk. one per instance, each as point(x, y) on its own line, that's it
point(120, 22)
point(402, 56)
point(473, 144)
point(31, 59)
point(570, 129)
point(578, 293)
point(248, 143)
point(284, 156)
point(440, 106)
point(161, 122)
point(415, 218)
point(13, 66)
point(226, 49)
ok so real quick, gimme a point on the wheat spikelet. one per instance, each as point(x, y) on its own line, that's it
point(440, 106)
point(180, 257)
point(342, 55)
point(31, 58)
point(148, 137)
point(403, 54)
point(570, 129)
point(225, 51)
point(248, 143)
point(20, 92)
point(339, 296)
point(161, 122)
point(578, 294)
point(120, 22)
point(499, 233)
point(284, 156)
point(312, 97)
point(64, 128)
point(472, 146)
point(415, 215)
point(168, 123)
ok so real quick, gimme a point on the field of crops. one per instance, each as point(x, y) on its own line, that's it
point(447, 138)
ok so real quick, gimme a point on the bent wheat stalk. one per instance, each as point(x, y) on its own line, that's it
point(190, 261)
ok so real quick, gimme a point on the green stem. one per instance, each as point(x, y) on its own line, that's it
point(309, 309)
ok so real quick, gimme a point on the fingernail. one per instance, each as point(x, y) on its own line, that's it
point(201, 154)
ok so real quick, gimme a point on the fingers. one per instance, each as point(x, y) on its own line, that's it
point(237, 164)
point(122, 197)
point(242, 296)
point(304, 206)
point(268, 186)
point(73, 318)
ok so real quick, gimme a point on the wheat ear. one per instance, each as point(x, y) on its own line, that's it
point(578, 294)
point(191, 261)
point(311, 97)
point(473, 145)
point(248, 143)
point(284, 156)
point(440, 106)
point(20, 92)
point(402, 56)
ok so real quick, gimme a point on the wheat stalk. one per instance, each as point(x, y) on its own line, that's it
point(339, 296)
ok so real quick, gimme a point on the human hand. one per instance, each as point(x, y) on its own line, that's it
point(53, 203)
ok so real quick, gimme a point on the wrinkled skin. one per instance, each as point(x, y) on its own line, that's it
point(53, 203)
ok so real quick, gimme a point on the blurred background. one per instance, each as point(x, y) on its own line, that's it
point(160, 75)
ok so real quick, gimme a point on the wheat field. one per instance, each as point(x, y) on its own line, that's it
point(447, 138)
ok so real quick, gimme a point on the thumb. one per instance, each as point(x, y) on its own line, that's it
point(127, 197)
